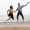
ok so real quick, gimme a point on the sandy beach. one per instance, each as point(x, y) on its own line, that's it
point(13, 25)
point(14, 28)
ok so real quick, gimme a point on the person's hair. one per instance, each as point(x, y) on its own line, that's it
point(18, 3)
point(11, 7)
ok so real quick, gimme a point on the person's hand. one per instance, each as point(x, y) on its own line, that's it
point(14, 11)
point(28, 2)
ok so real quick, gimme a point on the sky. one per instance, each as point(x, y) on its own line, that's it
point(4, 6)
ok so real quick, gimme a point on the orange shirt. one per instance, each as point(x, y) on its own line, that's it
point(10, 11)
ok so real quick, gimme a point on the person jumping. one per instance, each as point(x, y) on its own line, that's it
point(19, 8)
point(10, 15)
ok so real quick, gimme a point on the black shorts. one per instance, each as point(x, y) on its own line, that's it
point(11, 15)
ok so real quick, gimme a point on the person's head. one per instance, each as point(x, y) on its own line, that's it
point(11, 7)
point(18, 4)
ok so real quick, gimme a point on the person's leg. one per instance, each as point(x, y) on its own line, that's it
point(12, 16)
point(8, 18)
point(17, 15)
point(22, 16)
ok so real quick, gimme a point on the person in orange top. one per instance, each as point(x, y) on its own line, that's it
point(10, 15)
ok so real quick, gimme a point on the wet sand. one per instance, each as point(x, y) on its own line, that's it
point(14, 28)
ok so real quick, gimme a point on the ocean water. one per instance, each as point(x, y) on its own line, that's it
point(4, 18)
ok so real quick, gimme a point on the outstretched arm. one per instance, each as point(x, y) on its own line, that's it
point(25, 4)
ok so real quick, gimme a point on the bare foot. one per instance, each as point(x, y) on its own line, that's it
point(7, 19)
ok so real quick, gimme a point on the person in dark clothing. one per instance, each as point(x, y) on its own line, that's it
point(19, 8)
point(10, 15)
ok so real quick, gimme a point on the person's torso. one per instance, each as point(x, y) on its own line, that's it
point(19, 8)
point(10, 10)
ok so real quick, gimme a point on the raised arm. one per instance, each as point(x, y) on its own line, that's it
point(25, 4)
